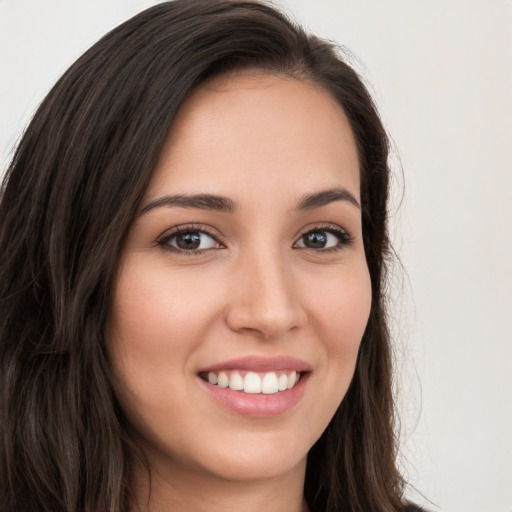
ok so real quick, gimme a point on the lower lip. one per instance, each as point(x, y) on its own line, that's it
point(257, 404)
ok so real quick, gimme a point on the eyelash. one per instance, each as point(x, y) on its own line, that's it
point(164, 240)
point(344, 238)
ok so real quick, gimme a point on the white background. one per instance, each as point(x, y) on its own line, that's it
point(441, 73)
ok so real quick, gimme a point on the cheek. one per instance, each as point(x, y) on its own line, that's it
point(342, 305)
point(151, 331)
point(343, 308)
point(339, 308)
point(154, 311)
point(156, 322)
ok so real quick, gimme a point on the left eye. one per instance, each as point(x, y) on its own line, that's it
point(322, 239)
point(191, 241)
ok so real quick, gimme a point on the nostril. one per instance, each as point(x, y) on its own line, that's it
point(266, 323)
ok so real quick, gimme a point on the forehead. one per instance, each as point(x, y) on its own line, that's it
point(248, 128)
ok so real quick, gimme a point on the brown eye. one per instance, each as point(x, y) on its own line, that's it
point(189, 241)
point(321, 239)
point(316, 239)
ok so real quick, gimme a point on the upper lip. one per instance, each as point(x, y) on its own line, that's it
point(260, 364)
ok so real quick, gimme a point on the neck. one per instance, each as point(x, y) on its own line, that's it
point(186, 490)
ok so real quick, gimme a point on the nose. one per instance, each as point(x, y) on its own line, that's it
point(264, 298)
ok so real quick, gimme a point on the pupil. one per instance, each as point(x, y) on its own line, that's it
point(315, 240)
point(188, 241)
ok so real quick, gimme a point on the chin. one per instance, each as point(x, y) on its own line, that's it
point(255, 469)
point(252, 457)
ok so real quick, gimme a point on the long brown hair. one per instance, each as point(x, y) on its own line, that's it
point(67, 201)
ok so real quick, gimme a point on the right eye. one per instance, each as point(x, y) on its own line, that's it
point(189, 241)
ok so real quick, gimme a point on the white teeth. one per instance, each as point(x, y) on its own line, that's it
point(223, 380)
point(292, 379)
point(269, 384)
point(236, 382)
point(282, 382)
point(252, 383)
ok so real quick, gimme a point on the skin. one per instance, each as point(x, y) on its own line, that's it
point(264, 142)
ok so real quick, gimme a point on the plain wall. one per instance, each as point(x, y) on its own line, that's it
point(441, 74)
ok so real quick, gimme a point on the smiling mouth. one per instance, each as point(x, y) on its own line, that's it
point(250, 382)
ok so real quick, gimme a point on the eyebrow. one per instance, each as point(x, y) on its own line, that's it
point(325, 197)
point(201, 201)
point(225, 204)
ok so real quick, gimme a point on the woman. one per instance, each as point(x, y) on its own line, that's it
point(194, 243)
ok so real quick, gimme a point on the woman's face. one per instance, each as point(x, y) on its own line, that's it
point(244, 268)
